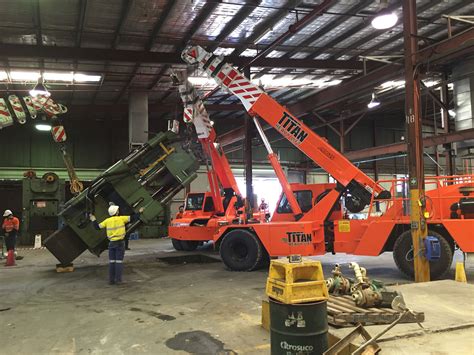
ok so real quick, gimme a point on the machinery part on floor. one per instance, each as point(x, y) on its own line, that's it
point(341, 346)
point(42, 199)
point(403, 255)
point(338, 284)
point(147, 178)
point(298, 328)
point(373, 297)
point(460, 275)
point(369, 293)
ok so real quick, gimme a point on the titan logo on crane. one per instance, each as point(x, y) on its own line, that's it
point(290, 127)
point(298, 238)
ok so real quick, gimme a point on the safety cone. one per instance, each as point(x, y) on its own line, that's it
point(460, 272)
point(10, 258)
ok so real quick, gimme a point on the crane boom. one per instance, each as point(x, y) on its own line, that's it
point(194, 112)
point(257, 102)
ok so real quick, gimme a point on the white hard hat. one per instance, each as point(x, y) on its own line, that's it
point(7, 213)
point(113, 210)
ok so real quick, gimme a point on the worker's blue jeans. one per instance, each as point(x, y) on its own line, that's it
point(116, 254)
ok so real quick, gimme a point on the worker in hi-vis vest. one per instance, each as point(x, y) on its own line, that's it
point(116, 230)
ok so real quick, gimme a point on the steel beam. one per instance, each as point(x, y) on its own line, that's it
point(432, 141)
point(415, 152)
point(152, 108)
point(119, 55)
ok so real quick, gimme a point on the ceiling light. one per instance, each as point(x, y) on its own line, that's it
point(384, 20)
point(374, 102)
point(452, 113)
point(58, 76)
point(40, 89)
point(3, 75)
point(43, 127)
point(24, 75)
point(82, 78)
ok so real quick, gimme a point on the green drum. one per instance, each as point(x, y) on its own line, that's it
point(298, 329)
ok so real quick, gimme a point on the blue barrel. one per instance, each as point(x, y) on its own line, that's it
point(298, 329)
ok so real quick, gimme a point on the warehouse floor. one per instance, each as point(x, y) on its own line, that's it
point(193, 307)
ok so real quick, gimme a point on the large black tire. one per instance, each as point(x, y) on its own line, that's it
point(176, 244)
point(241, 250)
point(403, 256)
point(189, 245)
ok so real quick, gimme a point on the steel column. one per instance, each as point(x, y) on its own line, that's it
point(248, 153)
point(419, 228)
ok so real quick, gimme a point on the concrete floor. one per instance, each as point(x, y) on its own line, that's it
point(194, 307)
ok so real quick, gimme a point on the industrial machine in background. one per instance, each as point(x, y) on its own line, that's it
point(147, 178)
point(43, 197)
point(316, 219)
point(43, 109)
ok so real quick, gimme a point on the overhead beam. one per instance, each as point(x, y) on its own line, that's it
point(454, 45)
point(152, 108)
point(119, 55)
point(432, 141)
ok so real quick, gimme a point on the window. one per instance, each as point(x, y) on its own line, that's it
point(304, 198)
point(194, 202)
point(209, 205)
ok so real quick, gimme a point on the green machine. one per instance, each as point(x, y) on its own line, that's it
point(42, 200)
point(147, 178)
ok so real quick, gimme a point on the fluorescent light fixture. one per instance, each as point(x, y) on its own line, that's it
point(43, 127)
point(82, 78)
point(384, 20)
point(374, 102)
point(51, 76)
point(24, 75)
point(392, 84)
point(40, 89)
point(3, 75)
point(452, 113)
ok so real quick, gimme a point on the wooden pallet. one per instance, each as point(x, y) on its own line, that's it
point(343, 312)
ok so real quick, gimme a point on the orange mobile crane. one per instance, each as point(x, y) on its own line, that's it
point(321, 227)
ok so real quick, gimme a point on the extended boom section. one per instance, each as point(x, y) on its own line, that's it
point(351, 179)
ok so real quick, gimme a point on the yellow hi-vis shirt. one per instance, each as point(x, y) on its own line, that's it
point(115, 227)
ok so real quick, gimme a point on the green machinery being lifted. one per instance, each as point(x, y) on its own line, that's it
point(148, 177)
point(42, 200)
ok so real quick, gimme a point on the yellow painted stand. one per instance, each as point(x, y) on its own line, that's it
point(292, 283)
point(460, 273)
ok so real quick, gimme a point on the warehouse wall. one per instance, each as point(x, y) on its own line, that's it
point(91, 144)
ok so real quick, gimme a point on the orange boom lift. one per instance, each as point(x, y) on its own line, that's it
point(322, 226)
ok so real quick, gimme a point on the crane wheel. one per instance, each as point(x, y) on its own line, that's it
point(353, 203)
point(176, 244)
point(403, 255)
point(189, 245)
point(241, 250)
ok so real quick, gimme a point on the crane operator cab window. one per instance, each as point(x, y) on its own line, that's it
point(194, 202)
point(304, 198)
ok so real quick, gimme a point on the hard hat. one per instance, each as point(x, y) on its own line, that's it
point(7, 213)
point(113, 210)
